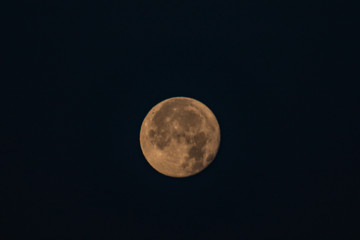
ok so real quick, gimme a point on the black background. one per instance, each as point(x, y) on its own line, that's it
point(81, 77)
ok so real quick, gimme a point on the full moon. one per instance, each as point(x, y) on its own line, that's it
point(180, 137)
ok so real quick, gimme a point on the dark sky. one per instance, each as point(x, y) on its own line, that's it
point(81, 77)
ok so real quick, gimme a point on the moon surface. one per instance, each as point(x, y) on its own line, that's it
point(180, 137)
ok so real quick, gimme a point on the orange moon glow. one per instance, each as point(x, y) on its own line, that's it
point(180, 137)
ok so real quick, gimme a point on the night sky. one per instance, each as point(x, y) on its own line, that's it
point(81, 77)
